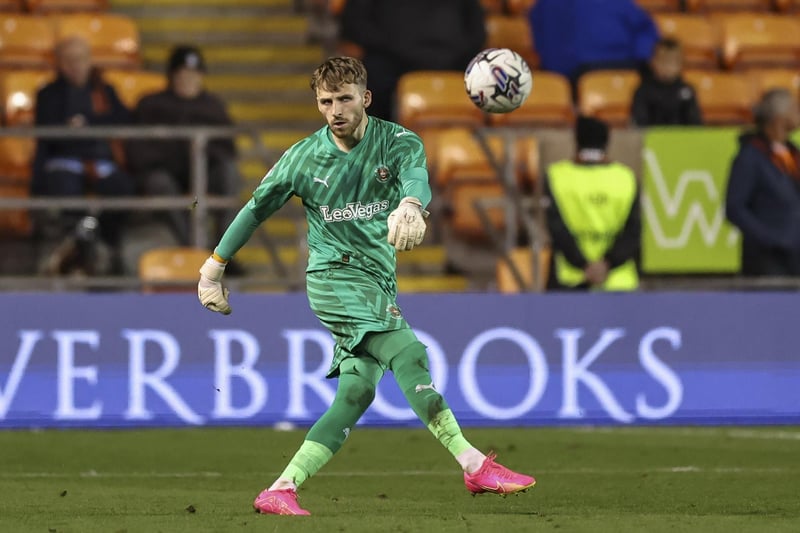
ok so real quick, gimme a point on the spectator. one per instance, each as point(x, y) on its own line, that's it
point(763, 197)
point(663, 98)
point(163, 167)
point(404, 36)
point(576, 36)
point(593, 216)
point(79, 98)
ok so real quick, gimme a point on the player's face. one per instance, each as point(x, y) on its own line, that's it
point(343, 108)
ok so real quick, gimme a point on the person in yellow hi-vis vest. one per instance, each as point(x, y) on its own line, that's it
point(593, 216)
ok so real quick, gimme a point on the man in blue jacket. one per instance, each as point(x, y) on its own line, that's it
point(763, 198)
point(575, 36)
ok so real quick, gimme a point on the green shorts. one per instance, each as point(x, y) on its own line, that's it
point(350, 304)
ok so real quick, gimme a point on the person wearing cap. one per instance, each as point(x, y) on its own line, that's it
point(163, 166)
point(593, 216)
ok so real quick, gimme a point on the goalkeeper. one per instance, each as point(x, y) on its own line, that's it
point(357, 176)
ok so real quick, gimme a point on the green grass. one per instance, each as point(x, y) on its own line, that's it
point(667, 479)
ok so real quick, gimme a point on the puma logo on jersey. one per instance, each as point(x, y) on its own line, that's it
point(322, 181)
point(353, 211)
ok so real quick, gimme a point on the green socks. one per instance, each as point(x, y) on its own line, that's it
point(306, 462)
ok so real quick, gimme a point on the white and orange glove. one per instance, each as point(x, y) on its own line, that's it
point(407, 224)
point(212, 294)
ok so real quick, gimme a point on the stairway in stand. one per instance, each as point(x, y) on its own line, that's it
point(259, 61)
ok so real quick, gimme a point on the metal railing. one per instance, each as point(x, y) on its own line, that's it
point(199, 202)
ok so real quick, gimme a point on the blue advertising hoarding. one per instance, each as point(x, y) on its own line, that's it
point(131, 360)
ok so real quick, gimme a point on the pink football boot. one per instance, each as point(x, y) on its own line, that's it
point(496, 479)
point(279, 502)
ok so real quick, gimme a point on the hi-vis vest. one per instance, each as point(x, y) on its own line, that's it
point(594, 202)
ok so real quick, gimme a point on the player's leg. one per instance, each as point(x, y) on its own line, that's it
point(408, 360)
point(358, 378)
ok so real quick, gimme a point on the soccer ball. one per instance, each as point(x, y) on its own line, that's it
point(498, 80)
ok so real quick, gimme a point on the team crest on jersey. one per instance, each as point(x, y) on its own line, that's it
point(394, 311)
point(382, 174)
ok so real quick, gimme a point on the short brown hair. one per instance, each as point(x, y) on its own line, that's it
point(338, 71)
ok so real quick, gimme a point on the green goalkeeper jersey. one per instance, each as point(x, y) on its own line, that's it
point(347, 196)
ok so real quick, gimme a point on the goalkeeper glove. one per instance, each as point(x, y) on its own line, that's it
point(407, 224)
point(212, 294)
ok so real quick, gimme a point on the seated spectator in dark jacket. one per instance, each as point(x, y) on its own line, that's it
point(663, 98)
point(163, 166)
point(80, 98)
point(576, 36)
point(763, 198)
point(409, 35)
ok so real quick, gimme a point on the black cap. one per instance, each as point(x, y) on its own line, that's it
point(185, 56)
point(591, 133)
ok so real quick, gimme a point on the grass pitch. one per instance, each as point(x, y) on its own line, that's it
point(598, 480)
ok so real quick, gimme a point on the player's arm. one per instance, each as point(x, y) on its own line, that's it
point(407, 222)
point(272, 193)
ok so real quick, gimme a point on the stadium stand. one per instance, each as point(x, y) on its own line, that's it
point(759, 40)
point(697, 36)
point(765, 79)
point(522, 258)
point(114, 39)
point(549, 104)
point(428, 99)
point(724, 97)
point(171, 268)
point(730, 5)
point(66, 6)
point(671, 6)
point(131, 85)
point(607, 94)
point(26, 41)
point(12, 6)
point(504, 31)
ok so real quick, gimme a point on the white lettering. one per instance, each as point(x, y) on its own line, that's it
point(68, 373)
point(226, 370)
point(139, 379)
point(537, 365)
point(28, 340)
point(577, 369)
point(661, 372)
point(299, 378)
point(353, 211)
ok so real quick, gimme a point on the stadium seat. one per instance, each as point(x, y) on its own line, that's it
point(696, 35)
point(724, 97)
point(549, 104)
point(26, 41)
point(171, 269)
point(511, 32)
point(766, 79)
point(114, 39)
point(757, 40)
point(131, 85)
point(428, 99)
point(787, 6)
point(671, 6)
point(65, 6)
point(18, 90)
point(522, 258)
point(493, 6)
point(12, 6)
point(607, 95)
point(16, 223)
point(335, 7)
point(730, 5)
point(519, 7)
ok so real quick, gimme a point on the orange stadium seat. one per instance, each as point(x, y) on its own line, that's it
point(696, 35)
point(549, 104)
point(607, 95)
point(114, 39)
point(772, 78)
point(730, 5)
point(465, 175)
point(670, 6)
point(12, 6)
point(131, 85)
point(26, 41)
point(16, 223)
point(511, 32)
point(428, 99)
point(522, 258)
point(520, 7)
point(172, 269)
point(757, 40)
point(18, 90)
point(64, 6)
point(493, 6)
point(724, 97)
point(787, 6)
point(335, 7)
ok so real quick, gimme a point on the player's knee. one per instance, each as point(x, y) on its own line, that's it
point(412, 359)
point(360, 393)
